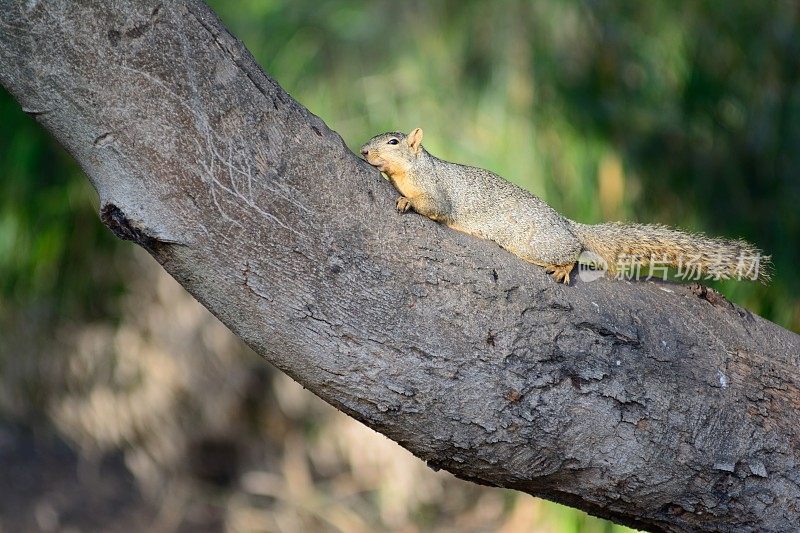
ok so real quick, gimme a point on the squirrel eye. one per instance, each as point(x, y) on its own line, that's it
point(392, 141)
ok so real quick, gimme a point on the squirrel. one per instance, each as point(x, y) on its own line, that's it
point(482, 204)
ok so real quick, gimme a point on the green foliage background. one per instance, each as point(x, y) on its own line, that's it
point(682, 112)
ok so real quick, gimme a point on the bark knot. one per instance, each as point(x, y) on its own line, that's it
point(124, 228)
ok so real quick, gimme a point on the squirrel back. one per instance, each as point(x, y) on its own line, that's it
point(483, 204)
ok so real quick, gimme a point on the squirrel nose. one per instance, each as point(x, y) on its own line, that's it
point(364, 151)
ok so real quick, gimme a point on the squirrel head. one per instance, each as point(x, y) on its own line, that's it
point(393, 153)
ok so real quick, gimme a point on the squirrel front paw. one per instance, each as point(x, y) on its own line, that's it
point(403, 204)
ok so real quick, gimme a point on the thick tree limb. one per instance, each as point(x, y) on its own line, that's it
point(639, 402)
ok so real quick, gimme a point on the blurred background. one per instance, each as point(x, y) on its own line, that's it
point(125, 405)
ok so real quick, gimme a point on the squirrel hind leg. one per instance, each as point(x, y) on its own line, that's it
point(560, 273)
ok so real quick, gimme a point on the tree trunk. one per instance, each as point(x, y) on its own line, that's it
point(656, 405)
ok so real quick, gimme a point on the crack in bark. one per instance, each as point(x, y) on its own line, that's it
point(665, 408)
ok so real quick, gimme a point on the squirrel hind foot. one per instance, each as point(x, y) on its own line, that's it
point(560, 273)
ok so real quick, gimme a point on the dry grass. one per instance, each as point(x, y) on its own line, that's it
point(206, 426)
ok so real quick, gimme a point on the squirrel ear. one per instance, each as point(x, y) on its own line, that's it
point(414, 139)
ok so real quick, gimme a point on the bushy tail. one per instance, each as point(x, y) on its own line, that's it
point(695, 255)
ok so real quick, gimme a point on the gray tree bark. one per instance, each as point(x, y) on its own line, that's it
point(659, 406)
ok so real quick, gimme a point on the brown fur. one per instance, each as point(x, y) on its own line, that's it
point(714, 257)
point(482, 204)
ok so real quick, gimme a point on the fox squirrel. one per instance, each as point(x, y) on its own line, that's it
point(482, 204)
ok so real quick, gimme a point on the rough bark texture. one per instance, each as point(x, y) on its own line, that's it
point(650, 404)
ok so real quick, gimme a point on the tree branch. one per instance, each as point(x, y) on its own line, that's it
point(649, 404)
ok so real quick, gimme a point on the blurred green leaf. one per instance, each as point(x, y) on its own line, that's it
point(694, 104)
